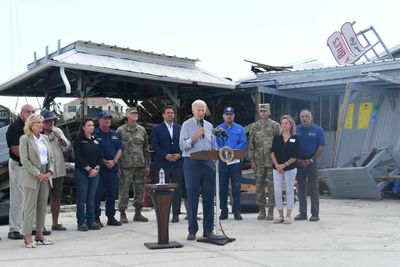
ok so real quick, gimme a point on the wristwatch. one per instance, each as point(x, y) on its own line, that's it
point(286, 164)
point(115, 161)
point(312, 161)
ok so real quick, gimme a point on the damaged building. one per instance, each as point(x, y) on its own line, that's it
point(366, 95)
point(358, 107)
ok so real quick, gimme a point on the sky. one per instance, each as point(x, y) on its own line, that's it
point(221, 34)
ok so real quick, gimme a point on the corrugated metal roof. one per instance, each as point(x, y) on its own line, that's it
point(101, 58)
point(162, 70)
point(325, 79)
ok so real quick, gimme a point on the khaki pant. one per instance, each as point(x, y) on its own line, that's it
point(16, 197)
point(35, 205)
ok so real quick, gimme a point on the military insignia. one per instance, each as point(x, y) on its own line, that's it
point(226, 154)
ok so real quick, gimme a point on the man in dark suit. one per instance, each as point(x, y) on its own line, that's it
point(167, 155)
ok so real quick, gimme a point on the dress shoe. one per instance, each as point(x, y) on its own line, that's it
point(223, 216)
point(314, 218)
point(209, 234)
point(97, 220)
point(45, 232)
point(191, 236)
point(58, 227)
point(15, 235)
point(83, 227)
point(175, 219)
point(300, 217)
point(112, 221)
point(94, 226)
point(237, 216)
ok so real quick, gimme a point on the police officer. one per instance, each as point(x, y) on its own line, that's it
point(236, 140)
point(110, 145)
point(135, 163)
point(261, 135)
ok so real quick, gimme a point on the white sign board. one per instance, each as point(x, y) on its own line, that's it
point(340, 50)
point(351, 39)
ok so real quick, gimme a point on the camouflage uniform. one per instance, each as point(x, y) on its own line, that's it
point(260, 142)
point(135, 157)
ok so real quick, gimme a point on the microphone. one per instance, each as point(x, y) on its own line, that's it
point(220, 132)
point(201, 121)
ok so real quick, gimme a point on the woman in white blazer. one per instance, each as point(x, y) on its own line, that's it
point(36, 173)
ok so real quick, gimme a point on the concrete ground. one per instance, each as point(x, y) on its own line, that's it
point(350, 233)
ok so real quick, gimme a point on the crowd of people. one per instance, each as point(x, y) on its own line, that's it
point(108, 163)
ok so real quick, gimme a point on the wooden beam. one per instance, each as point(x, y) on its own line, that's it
point(341, 121)
point(172, 94)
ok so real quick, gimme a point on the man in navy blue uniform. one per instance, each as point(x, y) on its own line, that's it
point(167, 155)
point(236, 140)
point(311, 145)
point(109, 171)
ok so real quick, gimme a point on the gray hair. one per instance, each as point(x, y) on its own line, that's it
point(197, 102)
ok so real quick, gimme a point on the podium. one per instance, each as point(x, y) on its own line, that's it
point(225, 154)
point(162, 195)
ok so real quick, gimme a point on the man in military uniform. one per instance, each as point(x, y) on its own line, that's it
point(134, 164)
point(260, 141)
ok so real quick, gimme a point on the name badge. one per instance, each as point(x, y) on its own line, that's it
point(291, 140)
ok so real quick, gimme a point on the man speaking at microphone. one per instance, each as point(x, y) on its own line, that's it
point(236, 139)
point(196, 135)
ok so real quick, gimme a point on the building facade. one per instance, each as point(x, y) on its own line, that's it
point(92, 105)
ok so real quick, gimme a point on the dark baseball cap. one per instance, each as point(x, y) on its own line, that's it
point(229, 111)
point(104, 114)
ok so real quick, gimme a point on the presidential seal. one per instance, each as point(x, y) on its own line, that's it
point(226, 154)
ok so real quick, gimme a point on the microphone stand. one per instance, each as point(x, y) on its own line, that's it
point(218, 239)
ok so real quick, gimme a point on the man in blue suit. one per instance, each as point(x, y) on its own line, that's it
point(168, 156)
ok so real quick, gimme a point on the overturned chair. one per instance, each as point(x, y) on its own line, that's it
point(364, 176)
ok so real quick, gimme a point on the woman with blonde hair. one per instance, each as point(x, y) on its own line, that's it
point(284, 152)
point(36, 174)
